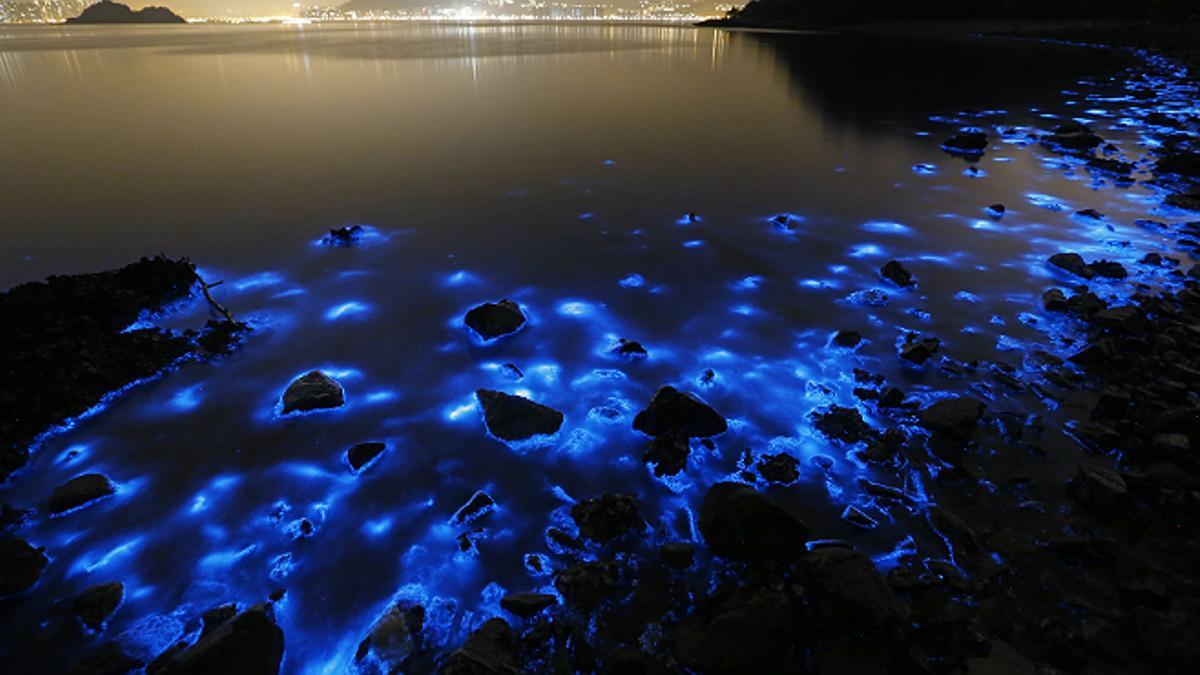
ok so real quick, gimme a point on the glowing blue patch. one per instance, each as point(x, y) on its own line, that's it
point(346, 310)
point(187, 399)
point(925, 169)
point(576, 308)
point(694, 243)
point(460, 278)
point(886, 227)
point(380, 396)
point(262, 280)
point(750, 283)
point(377, 527)
point(866, 251)
point(1045, 202)
point(632, 281)
point(743, 310)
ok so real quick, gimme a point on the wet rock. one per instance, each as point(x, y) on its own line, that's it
point(1101, 490)
point(841, 424)
point(1091, 214)
point(478, 506)
point(21, 565)
point(392, 639)
point(963, 542)
point(1108, 269)
point(111, 658)
point(668, 453)
point(1073, 263)
point(512, 372)
point(894, 272)
point(890, 397)
point(313, 391)
point(1180, 163)
point(490, 650)
point(780, 468)
point(677, 555)
point(586, 585)
point(607, 517)
point(516, 418)
point(674, 411)
point(13, 518)
point(97, 603)
point(849, 598)
point(251, 643)
point(847, 339)
point(1114, 168)
point(562, 542)
point(953, 417)
point(858, 518)
point(526, 605)
point(630, 349)
point(1054, 300)
point(740, 523)
point(363, 454)
point(967, 142)
point(79, 492)
point(343, 236)
point(492, 320)
point(1072, 137)
point(996, 211)
point(212, 619)
point(1189, 201)
point(917, 349)
point(1127, 318)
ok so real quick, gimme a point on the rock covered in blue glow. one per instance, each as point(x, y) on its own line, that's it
point(313, 391)
point(739, 522)
point(79, 492)
point(607, 517)
point(492, 320)
point(478, 506)
point(516, 418)
point(251, 643)
point(21, 565)
point(674, 411)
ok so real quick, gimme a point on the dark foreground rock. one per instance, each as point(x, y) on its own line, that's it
point(392, 640)
point(79, 492)
point(492, 320)
point(313, 391)
point(740, 523)
point(516, 418)
point(673, 411)
point(97, 603)
point(21, 565)
point(251, 643)
point(491, 650)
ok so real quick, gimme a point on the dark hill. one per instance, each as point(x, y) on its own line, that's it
point(114, 12)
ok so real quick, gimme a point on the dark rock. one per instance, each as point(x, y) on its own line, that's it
point(1185, 164)
point(668, 453)
point(890, 397)
point(1115, 168)
point(849, 598)
point(1188, 201)
point(478, 506)
point(1128, 318)
point(516, 418)
point(953, 417)
point(213, 619)
point(1101, 490)
point(630, 349)
point(858, 518)
point(779, 468)
point(847, 339)
point(251, 644)
point(313, 391)
point(363, 454)
point(1091, 214)
point(750, 634)
point(1073, 263)
point(586, 585)
point(392, 639)
point(607, 517)
point(1108, 269)
point(343, 236)
point(841, 424)
point(111, 658)
point(21, 565)
point(79, 492)
point(674, 411)
point(678, 555)
point(492, 320)
point(96, 604)
point(1054, 300)
point(491, 650)
point(917, 349)
point(526, 605)
point(894, 272)
point(996, 211)
point(1072, 137)
point(105, 11)
point(967, 142)
point(738, 522)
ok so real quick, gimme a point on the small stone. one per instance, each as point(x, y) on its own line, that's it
point(1091, 214)
point(344, 236)
point(780, 468)
point(847, 338)
point(1101, 489)
point(79, 492)
point(362, 455)
point(674, 411)
point(607, 517)
point(996, 211)
point(526, 605)
point(1108, 269)
point(917, 349)
point(21, 565)
point(493, 320)
point(967, 142)
point(313, 391)
point(478, 506)
point(1073, 263)
point(516, 418)
point(630, 349)
point(894, 272)
point(890, 397)
point(96, 604)
point(490, 650)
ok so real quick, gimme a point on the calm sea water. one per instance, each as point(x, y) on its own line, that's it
point(550, 164)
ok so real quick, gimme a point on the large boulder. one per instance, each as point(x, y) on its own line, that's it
point(313, 391)
point(495, 319)
point(491, 650)
point(740, 523)
point(516, 418)
point(392, 639)
point(21, 565)
point(249, 644)
point(607, 517)
point(673, 411)
point(79, 492)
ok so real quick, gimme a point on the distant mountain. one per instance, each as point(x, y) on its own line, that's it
point(114, 12)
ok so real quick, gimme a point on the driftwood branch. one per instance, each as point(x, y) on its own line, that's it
point(206, 288)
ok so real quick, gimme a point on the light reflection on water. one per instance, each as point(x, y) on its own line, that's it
point(474, 170)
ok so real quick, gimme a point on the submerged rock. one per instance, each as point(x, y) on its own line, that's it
point(516, 418)
point(79, 492)
point(96, 604)
point(525, 605)
point(1188, 201)
point(740, 523)
point(953, 417)
point(363, 454)
point(21, 565)
point(491, 650)
point(607, 517)
point(313, 391)
point(392, 639)
point(492, 320)
point(674, 411)
point(894, 272)
point(250, 643)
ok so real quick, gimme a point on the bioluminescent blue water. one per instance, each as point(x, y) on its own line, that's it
point(551, 168)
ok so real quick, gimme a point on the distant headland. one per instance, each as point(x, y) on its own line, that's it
point(114, 12)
